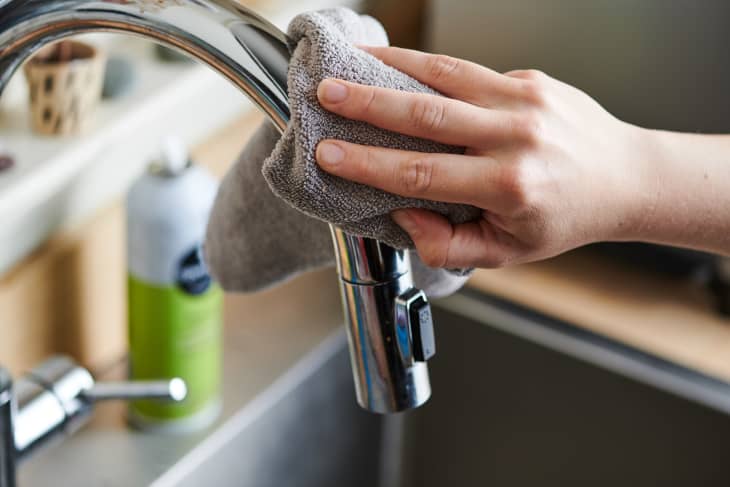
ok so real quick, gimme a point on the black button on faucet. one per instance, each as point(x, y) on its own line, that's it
point(424, 343)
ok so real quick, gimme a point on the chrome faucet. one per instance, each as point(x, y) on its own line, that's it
point(388, 321)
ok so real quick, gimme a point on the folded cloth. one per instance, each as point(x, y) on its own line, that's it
point(256, 240)
point(256, 237)
point(322, 47)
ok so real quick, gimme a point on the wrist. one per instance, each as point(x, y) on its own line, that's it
point(682, 194)
point(639, 194)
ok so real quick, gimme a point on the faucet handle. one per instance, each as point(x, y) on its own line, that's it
point(170, 390)
point(414, 326)
point(58, 395)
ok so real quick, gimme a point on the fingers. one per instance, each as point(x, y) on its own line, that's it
point(440, 244)
point(451, 178)
point(455, 78)
point(426, 116)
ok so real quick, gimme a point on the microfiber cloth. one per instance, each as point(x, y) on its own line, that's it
point(260, 234)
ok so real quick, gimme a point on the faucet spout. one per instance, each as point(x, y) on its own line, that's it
point(387, 320)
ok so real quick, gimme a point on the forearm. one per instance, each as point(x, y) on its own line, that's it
point(687, 202)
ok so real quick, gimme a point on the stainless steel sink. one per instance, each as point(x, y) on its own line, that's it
point(311, 435)
point(522, 399)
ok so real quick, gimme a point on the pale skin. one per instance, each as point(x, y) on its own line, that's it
point(550, 168)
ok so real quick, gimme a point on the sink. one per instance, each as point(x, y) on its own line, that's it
point(313, 435)
point(515, 406)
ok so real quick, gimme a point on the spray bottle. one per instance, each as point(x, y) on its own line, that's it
point(175, 324)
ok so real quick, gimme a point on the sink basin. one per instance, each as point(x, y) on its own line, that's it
point(313, 435)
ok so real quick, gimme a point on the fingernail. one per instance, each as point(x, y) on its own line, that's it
point(404, 220)
point(329, 153)
point(331, 91)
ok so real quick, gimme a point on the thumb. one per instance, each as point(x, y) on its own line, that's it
point(441, 244)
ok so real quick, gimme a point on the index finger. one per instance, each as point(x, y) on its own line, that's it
point(421, 115)
point(455, 78)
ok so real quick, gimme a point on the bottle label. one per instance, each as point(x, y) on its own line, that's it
point(192, 272)
point(175, 334)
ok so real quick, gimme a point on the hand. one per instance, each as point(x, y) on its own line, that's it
point(551, 169)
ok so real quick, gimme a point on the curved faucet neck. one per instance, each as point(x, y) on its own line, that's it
point(241, 46)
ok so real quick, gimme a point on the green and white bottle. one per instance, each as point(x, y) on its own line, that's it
point(175, 309)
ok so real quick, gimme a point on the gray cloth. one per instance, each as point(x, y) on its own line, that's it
point(256, 237)
point(256, 240)
point(322, 47)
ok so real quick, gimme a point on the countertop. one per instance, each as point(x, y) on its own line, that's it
point(672, 318)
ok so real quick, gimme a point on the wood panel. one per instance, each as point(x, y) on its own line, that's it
point(67, 297)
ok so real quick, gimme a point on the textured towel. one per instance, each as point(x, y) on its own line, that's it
point(256, 239)
point(322, 45)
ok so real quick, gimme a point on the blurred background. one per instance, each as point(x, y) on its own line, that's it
point(609, 365)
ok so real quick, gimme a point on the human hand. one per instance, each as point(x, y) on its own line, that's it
point(551, 169)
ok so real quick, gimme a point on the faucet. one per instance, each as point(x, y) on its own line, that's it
point(56, 398)
point(388, 320)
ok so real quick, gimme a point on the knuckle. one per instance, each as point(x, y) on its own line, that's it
point(535, 93)
point(528, 128)
point(365, 163)
point(440, 66)
point(427, 114)
point(415, 175)
point(434, 255)
point(535, 90)
point(514, 185)
point(532, 74)
point(367, 99)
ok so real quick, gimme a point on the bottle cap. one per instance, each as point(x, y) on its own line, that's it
point(174, 156)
